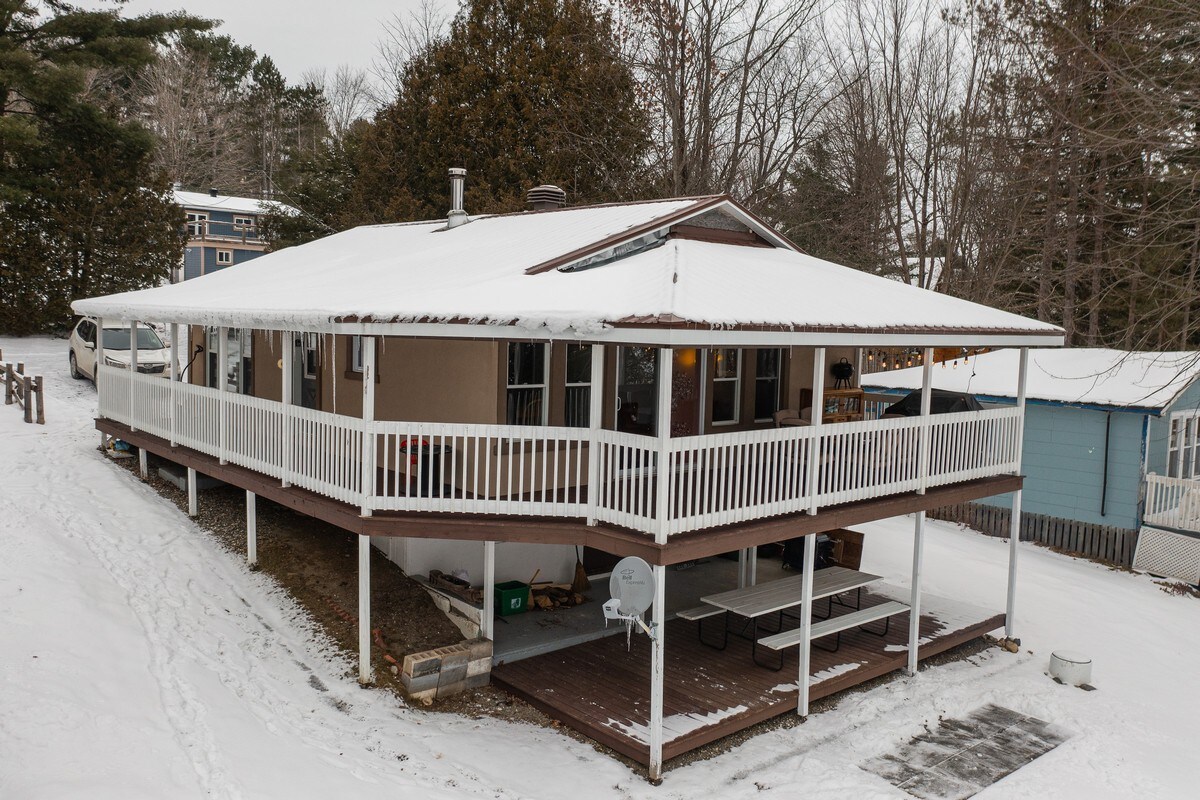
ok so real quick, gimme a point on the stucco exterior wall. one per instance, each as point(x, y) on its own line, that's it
point(514, 562)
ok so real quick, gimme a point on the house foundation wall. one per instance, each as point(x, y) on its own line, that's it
point(514, 561)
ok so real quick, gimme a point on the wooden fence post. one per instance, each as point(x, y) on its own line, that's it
point(8, 384)
point(28, 399)
point(41, 400)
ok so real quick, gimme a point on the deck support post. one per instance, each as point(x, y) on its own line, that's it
point(595, 423)
point(743, 568)
point(173, 376)
point(133, 371)
point(806, 601)
point(487, 625)
point(751, 565)
point(923, 444)
point(914, 602)
point(1014, 532)
point(656, 672)
point(364, 609)
point(193, 499)
point(143, 466)
point(96, 367)
point(662, 504)
point(817, 414)
point(368, 432)
point(222, 379)
point(251, 529)
point(285, 396)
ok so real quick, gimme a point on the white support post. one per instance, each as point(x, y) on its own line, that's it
point(1014, 532)
point(364, 610)
point(173, 374)
point(662, 508)
point(289, 365)
point(133, 371)
point(656, 673)
point(222, 379)
point(143, 466)
point(487, 625)
point(368, 417)
point(925, 434)
point(818, 413)
point(751, 565)
point(806, 601)
point(914, 602)
point(96, 367)
point(595, 423)
point(743, 579)
point(193, 500)
point(251, 529)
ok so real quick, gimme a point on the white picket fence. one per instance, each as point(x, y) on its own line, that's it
point(1172, 503)
point(708, 481)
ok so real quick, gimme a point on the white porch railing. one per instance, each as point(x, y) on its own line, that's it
point(1172, 503)
point(711, 480)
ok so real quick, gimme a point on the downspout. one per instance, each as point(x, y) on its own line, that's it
point(1104, 480)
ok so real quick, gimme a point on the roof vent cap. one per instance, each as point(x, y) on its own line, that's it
point(213, 192)
point(457, 216)
point(546, 197)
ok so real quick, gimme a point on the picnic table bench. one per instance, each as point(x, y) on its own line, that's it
point(834, 626)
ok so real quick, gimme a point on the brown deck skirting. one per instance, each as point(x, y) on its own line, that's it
point(541, 530)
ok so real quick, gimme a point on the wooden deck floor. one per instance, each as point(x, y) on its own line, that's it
point(603, 691)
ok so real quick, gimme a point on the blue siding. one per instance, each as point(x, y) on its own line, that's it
point(1160, 428)
point(1064, 465)
point(239, 257)
point(192, 257)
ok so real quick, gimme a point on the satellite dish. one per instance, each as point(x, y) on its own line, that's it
point(632, 583)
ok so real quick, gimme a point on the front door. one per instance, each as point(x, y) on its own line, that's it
point(637, 390)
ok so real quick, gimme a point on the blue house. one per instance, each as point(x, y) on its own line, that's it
point(222, 230)
point(1104, 430)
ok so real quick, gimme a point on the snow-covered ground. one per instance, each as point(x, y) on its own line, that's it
point(137, 659)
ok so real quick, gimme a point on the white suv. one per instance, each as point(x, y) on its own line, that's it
point(153, 355)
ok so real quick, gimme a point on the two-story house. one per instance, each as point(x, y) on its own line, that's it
point(222, 230)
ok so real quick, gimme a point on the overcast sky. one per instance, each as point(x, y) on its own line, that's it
point(298, 34)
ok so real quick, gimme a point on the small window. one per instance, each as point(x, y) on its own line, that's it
point(1183, 455)
point(197, 224)
point(579, 386)
point(243, 223)
point(526, 383)
point(224, 258)
point(727, 375)
point(356, 354)
point(310, 355)
point(767, 383)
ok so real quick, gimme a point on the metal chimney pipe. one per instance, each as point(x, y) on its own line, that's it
point(457, 216)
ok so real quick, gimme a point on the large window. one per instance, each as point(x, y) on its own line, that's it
point(526, 383)
point(1183, 458)
point(727, 375)
point(196, 223)
point(577, 413)
point(767, 383)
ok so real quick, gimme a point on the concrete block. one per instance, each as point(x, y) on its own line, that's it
point(415, 686)
point(418, 664)
point(453, 688)
point(480, 666)
point(475, 681)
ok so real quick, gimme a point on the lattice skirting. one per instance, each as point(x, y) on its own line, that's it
point(1101, 542)
point(1172, 555)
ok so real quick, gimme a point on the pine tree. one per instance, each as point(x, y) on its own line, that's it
point(520, 92)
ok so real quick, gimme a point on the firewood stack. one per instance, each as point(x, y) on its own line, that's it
point(549, 596)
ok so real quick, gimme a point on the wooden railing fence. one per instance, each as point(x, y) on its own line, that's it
point(24, 390)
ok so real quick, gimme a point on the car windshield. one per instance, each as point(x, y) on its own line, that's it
point(118, 339)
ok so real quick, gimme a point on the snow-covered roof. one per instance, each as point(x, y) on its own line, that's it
point(225, 202)
point(520, 269)
point(1074, 376)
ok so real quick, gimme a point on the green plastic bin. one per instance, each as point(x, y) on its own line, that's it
point(512, 597)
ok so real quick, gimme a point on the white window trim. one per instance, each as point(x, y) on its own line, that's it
point(544, 385)
point(778, 378)
point(196, 218)
point(1176, 447)
point(228, 263)
point(243, 223)
point(736, 380)
point(578, 384)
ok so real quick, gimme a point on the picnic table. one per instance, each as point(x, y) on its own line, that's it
point(775, 597)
